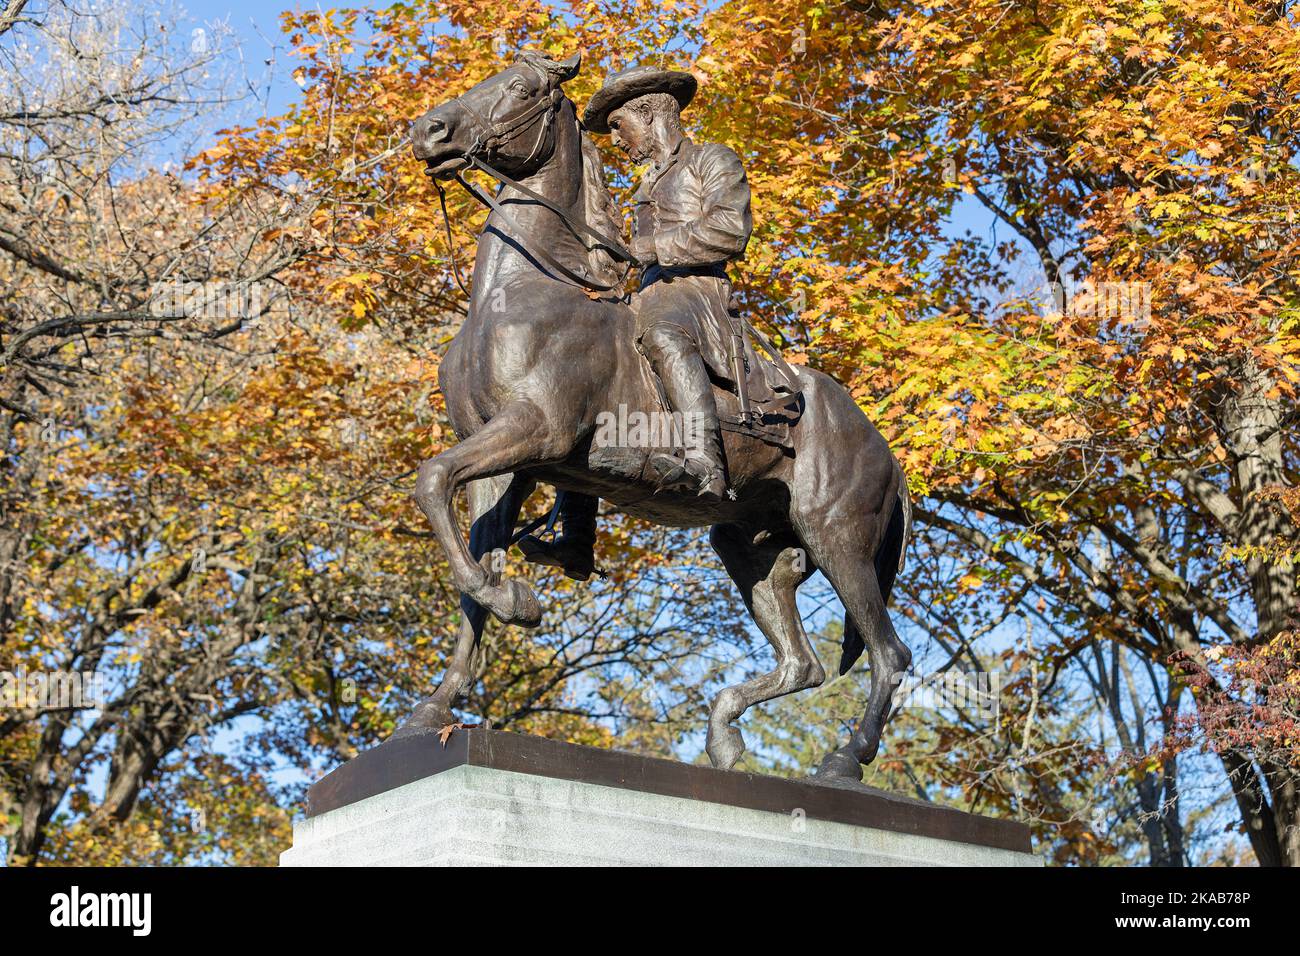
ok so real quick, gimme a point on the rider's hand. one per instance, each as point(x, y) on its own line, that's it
point(643, 247)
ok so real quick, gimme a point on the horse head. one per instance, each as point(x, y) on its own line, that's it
point(508, 120)
point(513, 121)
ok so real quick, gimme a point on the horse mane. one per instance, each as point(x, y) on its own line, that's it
point(600, 212)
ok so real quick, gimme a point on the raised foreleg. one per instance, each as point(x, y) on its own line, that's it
point(517, 437)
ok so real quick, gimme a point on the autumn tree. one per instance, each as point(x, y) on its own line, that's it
point(1093, 397)
point(203, 492)
point(1050, 248)
point(1096, 394)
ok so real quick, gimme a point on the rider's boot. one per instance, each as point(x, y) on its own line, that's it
point(676, 360)
point(572, 552)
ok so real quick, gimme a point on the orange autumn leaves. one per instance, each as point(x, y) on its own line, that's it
point(1136, 145)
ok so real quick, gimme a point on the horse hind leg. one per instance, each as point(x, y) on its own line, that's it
point(768, 575)
point(494, 505)
point(887, 563)
point(854, 577)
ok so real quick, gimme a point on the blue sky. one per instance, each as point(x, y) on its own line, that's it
point(255, 28)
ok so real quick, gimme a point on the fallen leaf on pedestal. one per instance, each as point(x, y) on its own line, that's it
point(447, 731)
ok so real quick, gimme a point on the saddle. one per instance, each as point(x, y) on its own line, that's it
point(769, 395)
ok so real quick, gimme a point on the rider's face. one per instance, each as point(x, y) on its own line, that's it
point(632, 132)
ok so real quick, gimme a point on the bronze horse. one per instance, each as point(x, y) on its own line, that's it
point(541, 354)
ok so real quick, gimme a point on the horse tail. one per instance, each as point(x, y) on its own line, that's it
point(893, 550)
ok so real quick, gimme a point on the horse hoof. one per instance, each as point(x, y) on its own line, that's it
point(428, 717)
point(526, 609)
point(725, 748)
point(511, 602)
point(839, 766)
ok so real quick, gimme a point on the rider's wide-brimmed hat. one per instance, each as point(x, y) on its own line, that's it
point(627, 85)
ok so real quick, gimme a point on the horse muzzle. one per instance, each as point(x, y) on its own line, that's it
point(434, 142)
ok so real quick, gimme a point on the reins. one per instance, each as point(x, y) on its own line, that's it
point(490, 137)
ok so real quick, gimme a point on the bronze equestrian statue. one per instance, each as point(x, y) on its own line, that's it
point(791, 480)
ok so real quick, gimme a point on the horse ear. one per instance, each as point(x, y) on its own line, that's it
point(558, 70)
point(565, 69)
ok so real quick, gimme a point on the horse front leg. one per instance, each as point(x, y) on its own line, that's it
point(516, 437)
point(494, 504)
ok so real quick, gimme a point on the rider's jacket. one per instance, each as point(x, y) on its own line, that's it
point(696, 209)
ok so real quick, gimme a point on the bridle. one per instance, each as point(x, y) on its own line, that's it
point(490, 137)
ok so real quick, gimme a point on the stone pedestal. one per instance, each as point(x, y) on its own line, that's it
point(489, 798)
